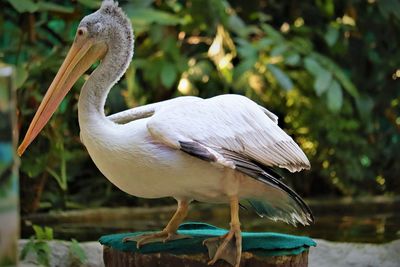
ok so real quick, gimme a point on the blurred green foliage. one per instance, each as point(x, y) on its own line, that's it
point(329, 69)
point(38, 245)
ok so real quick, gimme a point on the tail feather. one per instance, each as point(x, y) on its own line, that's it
point(268, 178)
point(279, 202)
point(267, 195)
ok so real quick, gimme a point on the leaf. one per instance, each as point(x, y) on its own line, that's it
point(64, 105)
point(264, 43)
point(21, 74)
point(52, 7)
point(33, 166)
point(292, 59)
point(365, 105)
point(302, 45)
point(39, 232)
point(63, 168)
point(152, 70)
point(227, 73)
point(328, 7)
point(43, 233)
point(150, 15)
point(338, 73)
point(90, 3)
point(345, 81)
point(237, 25)
point(279, 50)
point(281, 77)
point(43, 252)
point(322, 82)
point(272, 33)
point(48, 231)
point(135, 4)
point(168, 74)
point(169, 46)
point(312, 66)
point(335, 96)
point(28, 247)
point(331, 36)
point(244, 66)
point(77, 251)
point(388, 7)
point(57, 177)
point(24, 5)
point(247, 50)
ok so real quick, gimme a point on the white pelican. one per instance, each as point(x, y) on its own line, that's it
point(217, 150)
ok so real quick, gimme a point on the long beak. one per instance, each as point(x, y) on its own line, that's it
point(83, 53)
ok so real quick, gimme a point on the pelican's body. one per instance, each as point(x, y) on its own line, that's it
point(217, 150)
point(138, 164)
point(141, 165)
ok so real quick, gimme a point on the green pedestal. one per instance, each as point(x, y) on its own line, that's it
point(259, 249)
point(9, 211)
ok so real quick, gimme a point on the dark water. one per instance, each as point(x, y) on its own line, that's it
point(374, 220)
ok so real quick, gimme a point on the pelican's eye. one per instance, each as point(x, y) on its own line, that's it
point(82, 31)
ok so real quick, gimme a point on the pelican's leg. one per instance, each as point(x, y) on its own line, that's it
point(229, 246)
point(169, 232)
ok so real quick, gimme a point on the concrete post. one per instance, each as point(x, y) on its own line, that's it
point(9, 199)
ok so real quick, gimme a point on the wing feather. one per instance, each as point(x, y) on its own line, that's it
point(231, 122)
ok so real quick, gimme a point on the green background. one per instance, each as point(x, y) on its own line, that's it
point(329, 69)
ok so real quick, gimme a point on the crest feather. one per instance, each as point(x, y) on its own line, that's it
point(109, 3)
point(111, 7)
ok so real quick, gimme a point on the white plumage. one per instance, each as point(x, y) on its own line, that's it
point(232, 122)
point(139, 151)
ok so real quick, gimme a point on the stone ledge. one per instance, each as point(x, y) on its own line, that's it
point(326, 254)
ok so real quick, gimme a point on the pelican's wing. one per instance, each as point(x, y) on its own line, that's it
point(234, 132)
point(230, 122)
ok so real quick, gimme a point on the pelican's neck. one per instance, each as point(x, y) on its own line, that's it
point(95, 90)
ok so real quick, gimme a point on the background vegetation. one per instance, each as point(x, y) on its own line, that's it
point(329, 69)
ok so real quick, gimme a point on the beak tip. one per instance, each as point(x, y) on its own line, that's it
point(20, 150)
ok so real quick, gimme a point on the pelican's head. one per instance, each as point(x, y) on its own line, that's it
point(108, 25)
point(105, 32)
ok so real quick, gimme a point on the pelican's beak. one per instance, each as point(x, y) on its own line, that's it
point(83, 53)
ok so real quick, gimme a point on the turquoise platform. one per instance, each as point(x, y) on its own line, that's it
point(263, 244)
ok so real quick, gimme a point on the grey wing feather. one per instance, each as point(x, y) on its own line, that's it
point(197, 150)
point(271, 115)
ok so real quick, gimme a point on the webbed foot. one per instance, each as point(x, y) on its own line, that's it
point(163, 236)
point(227, 247)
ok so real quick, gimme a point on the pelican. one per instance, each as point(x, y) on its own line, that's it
point(216, 150)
